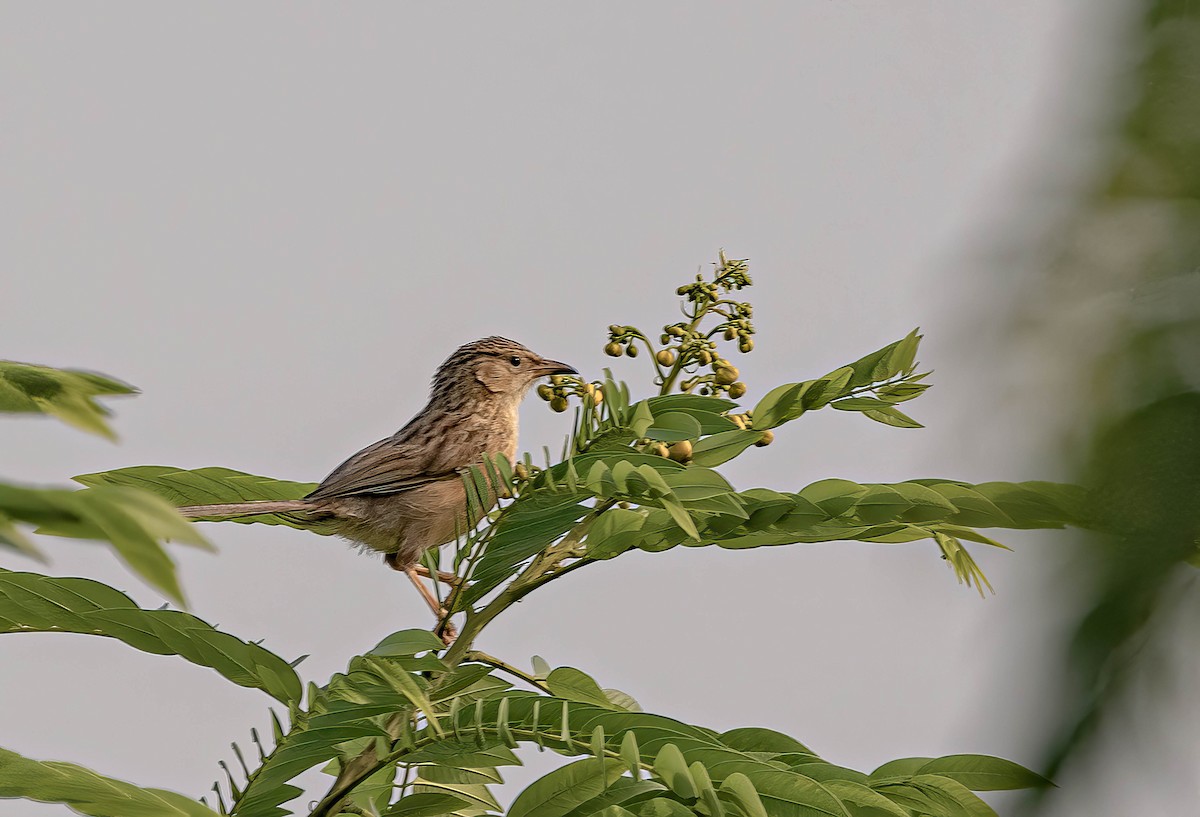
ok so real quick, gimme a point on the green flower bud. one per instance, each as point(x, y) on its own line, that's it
point(745, 345)
point(559, 404)
point(545, 392)
point(665, 356)
point(767, 438)
point(613, 349)
point(736, 390)
point(681, 451)
point(730, 333)
point(726, 375)
point(631, 350)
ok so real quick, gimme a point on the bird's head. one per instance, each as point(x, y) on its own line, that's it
point(494, 368)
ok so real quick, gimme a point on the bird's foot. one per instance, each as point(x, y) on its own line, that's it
point(446, 631)
point(443, 576)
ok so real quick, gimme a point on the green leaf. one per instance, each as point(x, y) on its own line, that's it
point(890, 361)
point(722, 447)
point(673, 426)
point(901, 767)
point(834, 496)
point(690, 402)
point(859, 795)
point(776, 405)
point(859, 404)
point(891, 416)
point(756, 739)
point(565, 788)
point(787, 794)
point(403, 682)
point(608, 803)
point(12, 537)
point(983, 773)
point(641, 420)
point(901, 392)
point(576, 685)
point(962, 800)
point(680, 516)
point(525, 528)
point(87, 792)
point(614, 531)
point(663, 807)
point(133, 521)
point(425, 804)
point(408, 642)
point(476, 795)
point(622, 700)
point(33, 603)
point(68, 394)
point(672, 768)
point(742, 791)
point(465, 754)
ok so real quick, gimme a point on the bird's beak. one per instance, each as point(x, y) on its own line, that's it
point(554, 367)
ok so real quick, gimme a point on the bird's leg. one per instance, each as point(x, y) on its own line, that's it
point(446, 630)
point(443, 576)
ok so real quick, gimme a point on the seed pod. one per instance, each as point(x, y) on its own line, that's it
point(675, 330)
point(613, 329)
point(631, 350)
point(682, 290)
point(545, 392)
point(704, 357)
point(520, 471)
point(730, 333)
point(613, 349)
point(737, 390)
point(558, 379)
point(767, 438)
point(726, 375)
point(665, 356)
point(681, 451)
point(559, 404)
point(745, 345)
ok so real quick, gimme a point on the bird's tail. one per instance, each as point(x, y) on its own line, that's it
point(236, 509)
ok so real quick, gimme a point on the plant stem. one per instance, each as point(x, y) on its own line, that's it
point(484, 658)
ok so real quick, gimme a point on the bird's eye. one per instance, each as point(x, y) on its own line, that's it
point(514, 360)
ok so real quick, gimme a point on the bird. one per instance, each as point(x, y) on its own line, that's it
point(404, 494)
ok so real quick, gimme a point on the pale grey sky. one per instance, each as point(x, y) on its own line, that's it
point(276, 219)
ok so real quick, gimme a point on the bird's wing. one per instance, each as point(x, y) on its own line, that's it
point(387, 467)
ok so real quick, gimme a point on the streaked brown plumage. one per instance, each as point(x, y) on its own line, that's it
point(403, 494)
